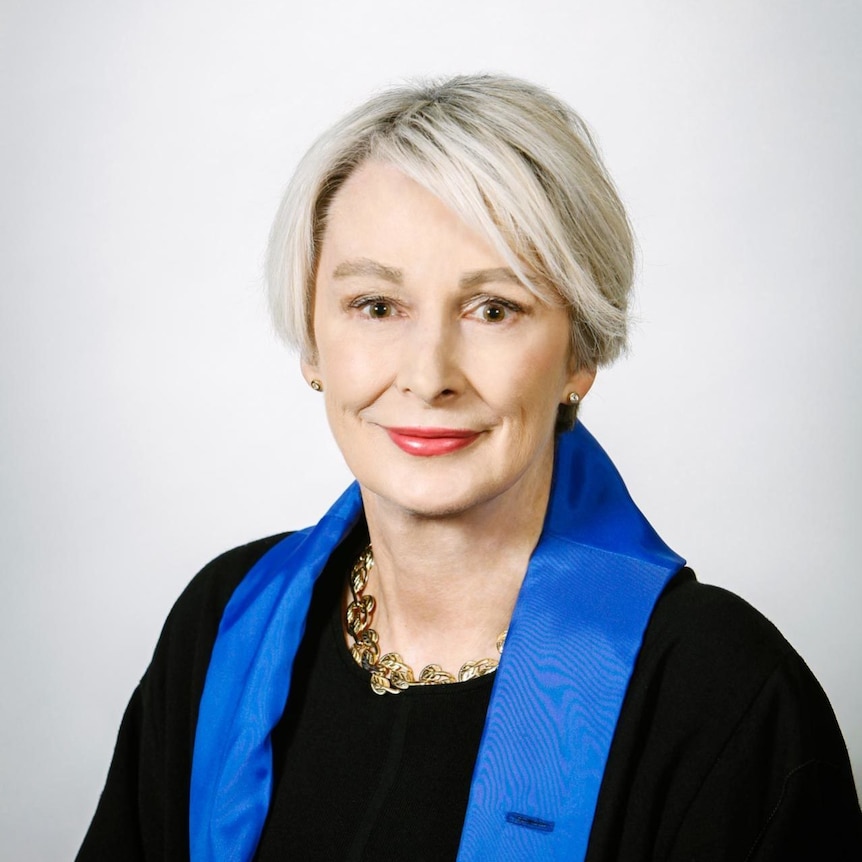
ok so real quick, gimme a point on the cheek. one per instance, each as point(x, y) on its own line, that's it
point(353, 375)
point(529, 383)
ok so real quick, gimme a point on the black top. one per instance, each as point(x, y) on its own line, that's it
point(362, 776)
point(726, 747)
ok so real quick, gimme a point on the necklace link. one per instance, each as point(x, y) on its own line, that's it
point(390, 674)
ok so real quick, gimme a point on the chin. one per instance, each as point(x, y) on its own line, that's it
point(439, 509)
point(440, 496)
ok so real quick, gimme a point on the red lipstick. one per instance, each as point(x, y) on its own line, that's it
point(431, 441)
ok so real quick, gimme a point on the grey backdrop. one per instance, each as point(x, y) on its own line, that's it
point(150, 420)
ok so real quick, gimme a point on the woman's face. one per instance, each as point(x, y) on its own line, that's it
point(441, 373)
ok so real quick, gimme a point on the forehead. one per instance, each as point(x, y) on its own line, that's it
point(381, 211)
point(380, 188)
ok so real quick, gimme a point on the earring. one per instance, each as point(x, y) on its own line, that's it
point(316, 385)
point(574, 399)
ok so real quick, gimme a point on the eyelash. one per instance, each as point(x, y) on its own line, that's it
point(506, 304)
point(365, 303)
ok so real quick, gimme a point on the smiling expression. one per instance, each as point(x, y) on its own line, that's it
point(442, 372)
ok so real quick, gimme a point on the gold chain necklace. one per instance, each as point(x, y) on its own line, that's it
point(390, 674)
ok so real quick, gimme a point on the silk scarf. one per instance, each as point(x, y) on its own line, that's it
point(578, 624)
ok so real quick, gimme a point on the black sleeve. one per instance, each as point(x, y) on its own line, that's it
point(781, 788)
point(143, 810)
point(726, 747)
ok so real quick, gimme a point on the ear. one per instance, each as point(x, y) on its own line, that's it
point(309, 368)
point(579, 381)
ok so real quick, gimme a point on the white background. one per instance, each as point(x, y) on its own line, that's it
point(150, 420)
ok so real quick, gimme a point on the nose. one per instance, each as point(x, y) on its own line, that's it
point(429, 362)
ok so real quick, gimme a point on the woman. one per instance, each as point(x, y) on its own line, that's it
point(454, 264)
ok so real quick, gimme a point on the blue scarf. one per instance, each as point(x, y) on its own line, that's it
point(578, 624)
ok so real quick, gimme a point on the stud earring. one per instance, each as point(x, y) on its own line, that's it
point(574, 399)
point(316, 385)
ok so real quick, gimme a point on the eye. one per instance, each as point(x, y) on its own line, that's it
point(375, 307)
point(494, 309)
point(494, 312)
point(378, 308)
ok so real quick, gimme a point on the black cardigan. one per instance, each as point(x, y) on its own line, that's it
point(726, 746)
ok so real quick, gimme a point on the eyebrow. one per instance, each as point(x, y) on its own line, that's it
point(484, 276)
point(364, 266)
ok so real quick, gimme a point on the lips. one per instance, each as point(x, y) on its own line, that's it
point(428, 442)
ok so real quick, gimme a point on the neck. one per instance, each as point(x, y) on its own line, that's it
point(446, 586)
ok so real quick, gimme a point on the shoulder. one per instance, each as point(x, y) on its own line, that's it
point(206, 595)
point(181, 657)
point(711, 665)
point(699, 633)
point(143, 810)
point(725, 736)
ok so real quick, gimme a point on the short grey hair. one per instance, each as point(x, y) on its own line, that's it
point(513, 161)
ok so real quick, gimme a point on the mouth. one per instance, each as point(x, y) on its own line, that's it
point(427, 442)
